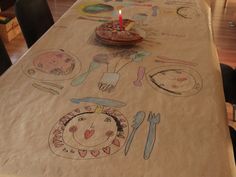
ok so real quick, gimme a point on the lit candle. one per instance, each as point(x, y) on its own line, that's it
point(120, 20)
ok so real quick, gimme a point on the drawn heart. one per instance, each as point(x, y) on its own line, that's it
point(58, 144)
point(88, 134)
point(95, 153)
point(181, 79)
point(107, 149)
point(116, 142)
point(82, 153)
point(109, 133)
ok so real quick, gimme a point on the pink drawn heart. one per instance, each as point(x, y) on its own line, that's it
point(88, 134)
point(58, 143)
point(107, 149)
point(82, 153)
point(109, 133)
point(116, 142)
point(95, 153)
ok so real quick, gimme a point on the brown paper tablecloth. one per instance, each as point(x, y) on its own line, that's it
point(70, 106)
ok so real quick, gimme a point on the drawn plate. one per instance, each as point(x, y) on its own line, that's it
point(52, 65)
point(89, 132)
point(95, 9)
point(175, 80)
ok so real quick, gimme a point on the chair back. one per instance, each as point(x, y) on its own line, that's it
point(5, 61)
point(34, 17)
point(229, 83)
point(233, 138)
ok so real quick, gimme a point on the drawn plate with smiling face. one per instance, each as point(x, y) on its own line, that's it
point(52, 65)
point(89, 132)
point(175, 80)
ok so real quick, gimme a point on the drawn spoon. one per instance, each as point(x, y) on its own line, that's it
point(154, 11)
point(138, 120)
point(153, 120)
point(82, 77)
point(102, 59)
point(140, 75)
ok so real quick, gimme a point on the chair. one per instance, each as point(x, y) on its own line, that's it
point(229, 84)
point(34, 17)
point(233, 138)
point(5, 61)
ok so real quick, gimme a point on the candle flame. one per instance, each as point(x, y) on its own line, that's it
point(120, 12)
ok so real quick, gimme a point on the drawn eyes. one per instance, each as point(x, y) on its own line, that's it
point(81, 119)
point(68, 60)
point(108, 119)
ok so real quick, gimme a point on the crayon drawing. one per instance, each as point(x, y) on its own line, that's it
point(175, 80)
point(49, 67)
point(114, 63)
point(138, 120)
point(187, 12)
point(140, 76)
point(89, 132)
point(52, 65)
point(153, 119)
point(95, 11)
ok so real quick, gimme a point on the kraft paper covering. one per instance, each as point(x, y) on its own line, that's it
point(72, 107)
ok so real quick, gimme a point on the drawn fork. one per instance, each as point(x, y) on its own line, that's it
point(153, 120)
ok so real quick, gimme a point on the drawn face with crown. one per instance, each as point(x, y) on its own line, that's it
point(89, 134)
point(91, 130)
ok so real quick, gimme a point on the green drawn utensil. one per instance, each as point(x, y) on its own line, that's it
point(99, 101)
point(82, 77)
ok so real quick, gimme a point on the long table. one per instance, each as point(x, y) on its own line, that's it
point(72, 106)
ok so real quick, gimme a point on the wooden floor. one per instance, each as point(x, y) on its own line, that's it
point(17, 47)
point(224, 30)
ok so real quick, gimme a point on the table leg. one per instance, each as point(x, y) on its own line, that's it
point(225, 3)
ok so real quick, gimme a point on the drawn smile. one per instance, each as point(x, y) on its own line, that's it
point(82, 135)
point(88, 134)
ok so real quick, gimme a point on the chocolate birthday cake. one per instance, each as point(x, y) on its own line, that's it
point(111, 34)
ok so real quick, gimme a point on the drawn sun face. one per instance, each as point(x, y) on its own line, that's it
point(86, 133)
point(54, 62)
point(175, 80)
point(52, 65)
point(91, 130)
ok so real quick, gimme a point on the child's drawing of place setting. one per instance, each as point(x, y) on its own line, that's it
point(121, 36)
point(98, 129)
point(113, 63)
point(49, 67)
